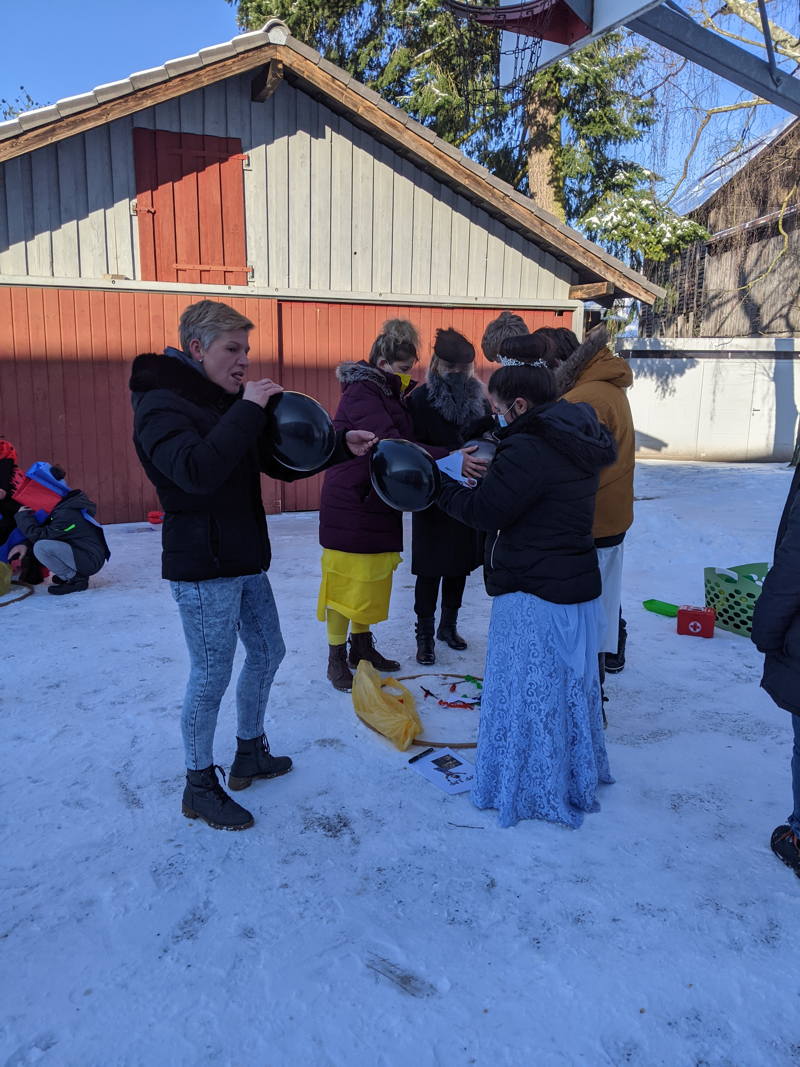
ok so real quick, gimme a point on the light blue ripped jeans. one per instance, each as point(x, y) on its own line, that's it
point(213, 613)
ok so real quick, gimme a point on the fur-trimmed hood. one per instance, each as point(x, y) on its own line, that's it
point(456, 397)
point(361, 371)
point(606, 367)
point(572, 429)
point(152, 371)
point(568, 372)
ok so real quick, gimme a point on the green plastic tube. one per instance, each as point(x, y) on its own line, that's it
point(661, 607)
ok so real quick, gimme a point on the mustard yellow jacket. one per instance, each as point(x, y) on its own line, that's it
point(602, 383)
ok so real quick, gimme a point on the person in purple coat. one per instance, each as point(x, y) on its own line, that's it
point(362, 537)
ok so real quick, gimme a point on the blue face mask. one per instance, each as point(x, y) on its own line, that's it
point(501, 419)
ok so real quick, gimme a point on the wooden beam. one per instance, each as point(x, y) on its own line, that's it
point(266, 81)
point(591, 291)
point(136, 100)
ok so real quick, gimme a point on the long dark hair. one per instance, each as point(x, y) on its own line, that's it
point(534, 384)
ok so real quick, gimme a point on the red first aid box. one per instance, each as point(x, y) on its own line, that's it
point(696, 622)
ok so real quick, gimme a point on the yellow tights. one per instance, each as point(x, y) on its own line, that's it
point(338, 625)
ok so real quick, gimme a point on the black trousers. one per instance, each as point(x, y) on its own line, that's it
point(426, 593)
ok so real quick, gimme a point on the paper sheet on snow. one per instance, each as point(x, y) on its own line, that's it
point(449, 771)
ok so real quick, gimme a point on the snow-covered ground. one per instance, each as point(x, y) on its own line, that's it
point(368, 919)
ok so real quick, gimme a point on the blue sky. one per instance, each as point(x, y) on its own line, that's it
point(73, 46)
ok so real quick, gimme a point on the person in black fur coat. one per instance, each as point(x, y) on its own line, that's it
point(443, 550)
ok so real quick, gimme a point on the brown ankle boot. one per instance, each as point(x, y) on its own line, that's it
point(339, 674)
point(362, 646)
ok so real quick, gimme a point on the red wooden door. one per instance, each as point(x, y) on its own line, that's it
point(190, 207)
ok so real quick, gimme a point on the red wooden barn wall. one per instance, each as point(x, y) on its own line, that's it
point(65, 359)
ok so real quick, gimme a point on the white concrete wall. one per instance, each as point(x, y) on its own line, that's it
point(730, 400)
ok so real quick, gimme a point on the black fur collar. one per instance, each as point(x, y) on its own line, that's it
point(458, 399)
point(151, 371)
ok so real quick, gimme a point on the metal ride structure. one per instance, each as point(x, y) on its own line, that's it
point(558, 27)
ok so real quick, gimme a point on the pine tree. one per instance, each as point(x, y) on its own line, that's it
point(561, 138)
point(23, 101)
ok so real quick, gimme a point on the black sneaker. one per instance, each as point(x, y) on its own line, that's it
point(204, 798)
point(74, 585)
point(786, 845)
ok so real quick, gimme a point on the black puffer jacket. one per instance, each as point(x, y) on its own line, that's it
point(776, 618)
point(537, 500)
point(67, 522)
point(204, 450)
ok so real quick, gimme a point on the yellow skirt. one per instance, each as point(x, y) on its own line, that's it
point(357, 585)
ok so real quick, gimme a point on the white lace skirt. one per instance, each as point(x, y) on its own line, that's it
point(541, 747)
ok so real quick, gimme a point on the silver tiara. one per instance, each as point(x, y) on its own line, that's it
point(508, 362)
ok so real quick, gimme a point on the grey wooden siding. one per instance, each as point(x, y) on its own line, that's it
point(328, 207)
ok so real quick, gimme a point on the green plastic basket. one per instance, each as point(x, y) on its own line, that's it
point(732, 592)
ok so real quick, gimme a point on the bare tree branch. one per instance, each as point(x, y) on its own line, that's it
point(786, 43)
point(781, 252)
point(709, 24)
point(669, 75)
point(710, 113)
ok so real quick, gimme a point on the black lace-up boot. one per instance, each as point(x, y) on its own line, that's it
point(362, 646)
point(447, 630)
point(426, 654)
point(204, 798)
point(339, 674)
point(254, 760)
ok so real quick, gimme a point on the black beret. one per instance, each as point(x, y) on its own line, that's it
point(453, 347)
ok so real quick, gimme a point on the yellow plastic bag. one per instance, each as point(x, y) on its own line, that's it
point(5, 578)
point(386, 706)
